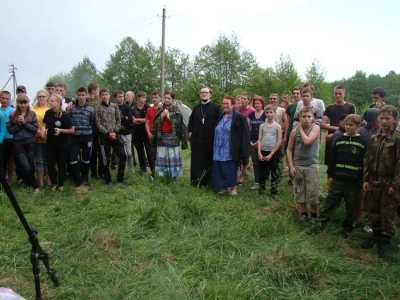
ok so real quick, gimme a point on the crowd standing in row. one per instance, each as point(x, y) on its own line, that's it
point(362, 154)
point(59, 135)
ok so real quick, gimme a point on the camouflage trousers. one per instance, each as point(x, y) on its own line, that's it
point(348, 191)
point(382, 208)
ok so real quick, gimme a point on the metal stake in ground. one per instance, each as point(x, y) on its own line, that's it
point(37, 253)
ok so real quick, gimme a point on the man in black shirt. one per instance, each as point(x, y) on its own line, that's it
point(126, 120)
point(139, 135)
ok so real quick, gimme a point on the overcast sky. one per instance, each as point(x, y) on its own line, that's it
point(44, 37)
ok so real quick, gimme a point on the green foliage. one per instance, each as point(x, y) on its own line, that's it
point(80, 75)
point(222, 65)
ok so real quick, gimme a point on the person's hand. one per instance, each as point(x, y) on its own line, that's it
point(391, 191)
point(112, 135)
point(21, 120)
point(268, 157)
point(56, 131)
point(189, 135)
point(284, 141)
point(292, 171)
point(330, 182)
point(149, 136)
point(366, 186)
point(260, 157)
point(69, 106)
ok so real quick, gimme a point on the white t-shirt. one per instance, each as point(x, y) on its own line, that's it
point(317, 103)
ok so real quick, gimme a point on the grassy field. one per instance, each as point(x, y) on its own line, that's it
point(172, 241)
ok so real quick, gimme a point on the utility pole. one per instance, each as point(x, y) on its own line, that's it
point(14, 78)
point(163, 56)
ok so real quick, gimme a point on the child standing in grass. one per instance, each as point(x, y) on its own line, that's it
point(345, 167)
point(269, 141)
point(382, 180)
point(302, 154)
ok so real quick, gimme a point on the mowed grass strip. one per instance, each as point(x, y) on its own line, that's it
point(161, 240)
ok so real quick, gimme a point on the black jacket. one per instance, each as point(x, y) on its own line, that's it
point(240, 137)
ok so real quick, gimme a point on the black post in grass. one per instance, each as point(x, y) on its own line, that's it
point(37, 253)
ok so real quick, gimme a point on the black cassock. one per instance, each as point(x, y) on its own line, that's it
point(202, 123)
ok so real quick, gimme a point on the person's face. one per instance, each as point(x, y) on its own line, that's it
point(377, 123)
point(296, 95)
point(306, 97)
point(273, 100)
point(97, 92)
point(376, 98)
point(387, 121)
point(341, 124)
point(227, 105)
point(51, 90)
point(156, 99)
point(22, 105)
point(81, 96)
point(53, 103)
point(204, 94)
point(244, 101)
point(339, 95)
point(61, 91)
point(351, 128)
point(5, 100)
point(142, 99)
point(167, 99)
point(257, 105)
point(42, 98)
point(119, 99)
point(306, 118)
point(270, 114)
point(286, 98)
point(129, 98)
point(105, 97)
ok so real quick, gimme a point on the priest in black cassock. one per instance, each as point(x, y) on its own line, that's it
point(201, 127)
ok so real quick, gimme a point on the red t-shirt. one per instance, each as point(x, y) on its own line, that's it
point(166, 126)
point(150, 114)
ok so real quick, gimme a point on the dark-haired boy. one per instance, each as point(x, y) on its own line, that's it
point(108, 121)
point(82, 115)
point(382, 181)
point(345, 168)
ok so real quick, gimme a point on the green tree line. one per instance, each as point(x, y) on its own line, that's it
point(222, 65)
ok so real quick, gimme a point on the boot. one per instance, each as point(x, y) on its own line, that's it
point(384, 246)
point(376, 235)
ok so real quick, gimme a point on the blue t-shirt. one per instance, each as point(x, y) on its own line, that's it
point(6, 113)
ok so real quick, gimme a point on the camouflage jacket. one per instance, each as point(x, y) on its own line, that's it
point(382, 159)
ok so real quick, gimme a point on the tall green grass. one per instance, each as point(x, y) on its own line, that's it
point(165, 240)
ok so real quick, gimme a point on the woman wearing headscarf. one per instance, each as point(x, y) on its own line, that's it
point(167, 135)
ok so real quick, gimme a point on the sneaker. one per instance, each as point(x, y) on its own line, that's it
point(85, 182)
point(344, 233)
point(109, 183)
point(60, 188)
point(313, 220)
point(302, 219)
point(151, 178)
point(53, 187)
point(123, 181)
point(255, 186)
point(368, 229)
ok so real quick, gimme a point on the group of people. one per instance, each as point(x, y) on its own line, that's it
point(58, 136)
point(362, 154)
